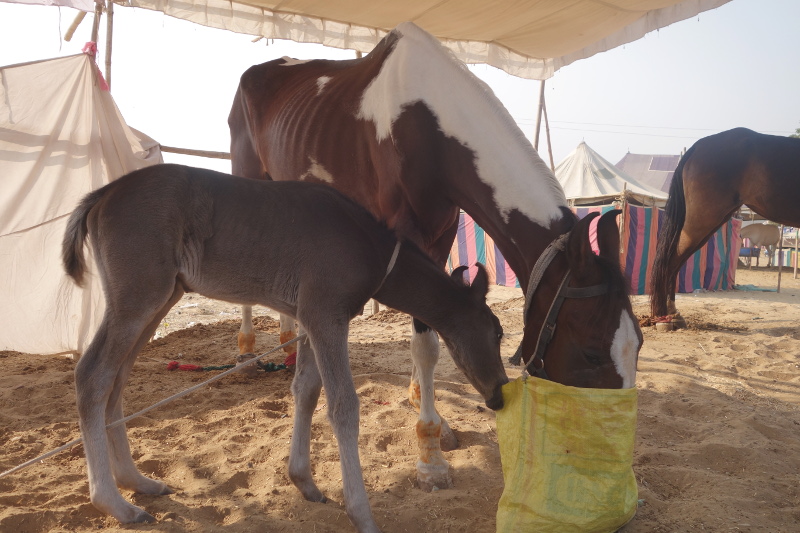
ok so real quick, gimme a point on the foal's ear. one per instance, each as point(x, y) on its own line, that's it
point(458, 275)
point(608, 236)
point(579, 249)
point(480, 285)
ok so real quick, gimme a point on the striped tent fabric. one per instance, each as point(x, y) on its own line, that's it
point(712, 268)
point(473, 245)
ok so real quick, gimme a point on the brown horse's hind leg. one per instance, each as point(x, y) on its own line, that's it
point(697, 229)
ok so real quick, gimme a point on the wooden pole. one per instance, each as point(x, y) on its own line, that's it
point(547, 130)
point(98, 12)
point(74, 26)
point(109, 35)
point(539, 117)
point(199, 153)
point(780, 256)
point(796, 258)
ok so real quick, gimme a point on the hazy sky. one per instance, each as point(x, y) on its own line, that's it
point(738, 65)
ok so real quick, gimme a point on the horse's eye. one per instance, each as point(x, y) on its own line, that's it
point(500, 336)
point(594, 358)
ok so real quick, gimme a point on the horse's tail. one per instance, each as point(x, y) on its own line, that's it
point(668, 236)
point(75, 237)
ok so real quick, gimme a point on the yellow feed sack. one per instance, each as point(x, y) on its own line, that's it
point(567, 454)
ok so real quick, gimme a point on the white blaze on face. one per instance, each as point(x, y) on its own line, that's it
point(624, 350)
point(420, 69)
point(315, 170)
point(321, 81)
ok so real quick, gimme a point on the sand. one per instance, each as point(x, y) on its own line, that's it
point(717, 449)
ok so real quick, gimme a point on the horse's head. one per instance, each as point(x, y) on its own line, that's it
point(476, 347)
point(580, 329)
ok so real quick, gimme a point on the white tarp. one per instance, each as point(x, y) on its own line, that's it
point(588, 178)
point(61, 136)
point(526, 38)
point(82, 5)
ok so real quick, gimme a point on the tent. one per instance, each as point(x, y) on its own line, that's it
point(530, 39)
point(588, 179)
point(653, 170)
point(594, 185)
point(61, 136)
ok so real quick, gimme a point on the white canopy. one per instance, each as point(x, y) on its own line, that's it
point(61, 136)
point(526, 38)
point(587, 178)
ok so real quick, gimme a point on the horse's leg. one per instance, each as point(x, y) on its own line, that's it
point(125, 472)
point(95, 375)
point(432, 468)
point(306, 387)
point(700, 224)
point(288, 333)
point(328, 338)
point(247, 335)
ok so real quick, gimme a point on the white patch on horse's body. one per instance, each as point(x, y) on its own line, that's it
point(321, 82)
point(315, 170)
point(420, 69)
point(289, 61)
point(624, 348)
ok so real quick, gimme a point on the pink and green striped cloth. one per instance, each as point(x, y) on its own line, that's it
point(713, 267)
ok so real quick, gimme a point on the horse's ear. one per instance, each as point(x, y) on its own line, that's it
point(608, 236)
point(458, 275)
point(579, 249)
point(480, 285)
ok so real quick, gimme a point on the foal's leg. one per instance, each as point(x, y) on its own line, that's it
point(432, 468)
point(306, 387)
point(95, 375)
point(125, 472)
point(329, 341)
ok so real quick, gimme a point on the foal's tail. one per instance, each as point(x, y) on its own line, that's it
point(668, 236)
point(75, 236)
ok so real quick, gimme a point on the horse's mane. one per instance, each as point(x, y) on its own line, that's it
point(420, 69)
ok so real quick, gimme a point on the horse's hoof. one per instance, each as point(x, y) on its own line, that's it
point(448, 441)
point(433, 477)
point(143, 517)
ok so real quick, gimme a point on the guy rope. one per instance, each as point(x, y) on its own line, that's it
point(154, 406)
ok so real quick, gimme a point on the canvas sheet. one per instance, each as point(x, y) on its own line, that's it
point(61, 137)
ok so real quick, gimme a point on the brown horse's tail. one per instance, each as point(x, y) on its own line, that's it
point(75, 236)
point(662, 281)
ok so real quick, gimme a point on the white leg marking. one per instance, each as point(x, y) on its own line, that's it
point(623, 350)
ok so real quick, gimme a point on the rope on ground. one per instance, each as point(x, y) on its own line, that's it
point(154, 406)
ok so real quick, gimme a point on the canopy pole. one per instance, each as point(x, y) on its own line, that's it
point(98, 12)
point(547, 130)
point(539, 117)
point(109, 35)
point(796, 258)
point(780, 257)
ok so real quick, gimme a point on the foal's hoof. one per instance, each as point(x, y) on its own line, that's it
point(433, 477)
point(448, 441)
point(143, 517)
point(250, 370)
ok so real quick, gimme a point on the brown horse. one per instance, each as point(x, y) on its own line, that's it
point(410, 133)
point(713, 179)
point(310, 252)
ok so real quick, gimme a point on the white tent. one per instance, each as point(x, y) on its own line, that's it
point(526, 38)
point(587, 178)
point(61, 136)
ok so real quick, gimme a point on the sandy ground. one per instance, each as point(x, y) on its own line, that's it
point(718, 439)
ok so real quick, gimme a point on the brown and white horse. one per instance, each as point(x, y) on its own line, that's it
point(410, 133)
point(310, 253)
